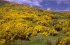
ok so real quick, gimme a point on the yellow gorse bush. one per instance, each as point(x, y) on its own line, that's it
point(65, 41)
point(53, 32)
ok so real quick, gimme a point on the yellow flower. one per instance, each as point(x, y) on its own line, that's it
point(26, 36)
point(60, 41)
point(2, 41)
point(39, 30)
point(46, 35)
point(58, 44)
point(34, 32)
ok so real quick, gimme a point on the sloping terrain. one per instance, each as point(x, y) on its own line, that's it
point(25, 25)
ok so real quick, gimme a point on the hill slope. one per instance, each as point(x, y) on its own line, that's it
point(25, 25)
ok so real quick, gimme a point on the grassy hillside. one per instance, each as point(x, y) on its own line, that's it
point(25, 25)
